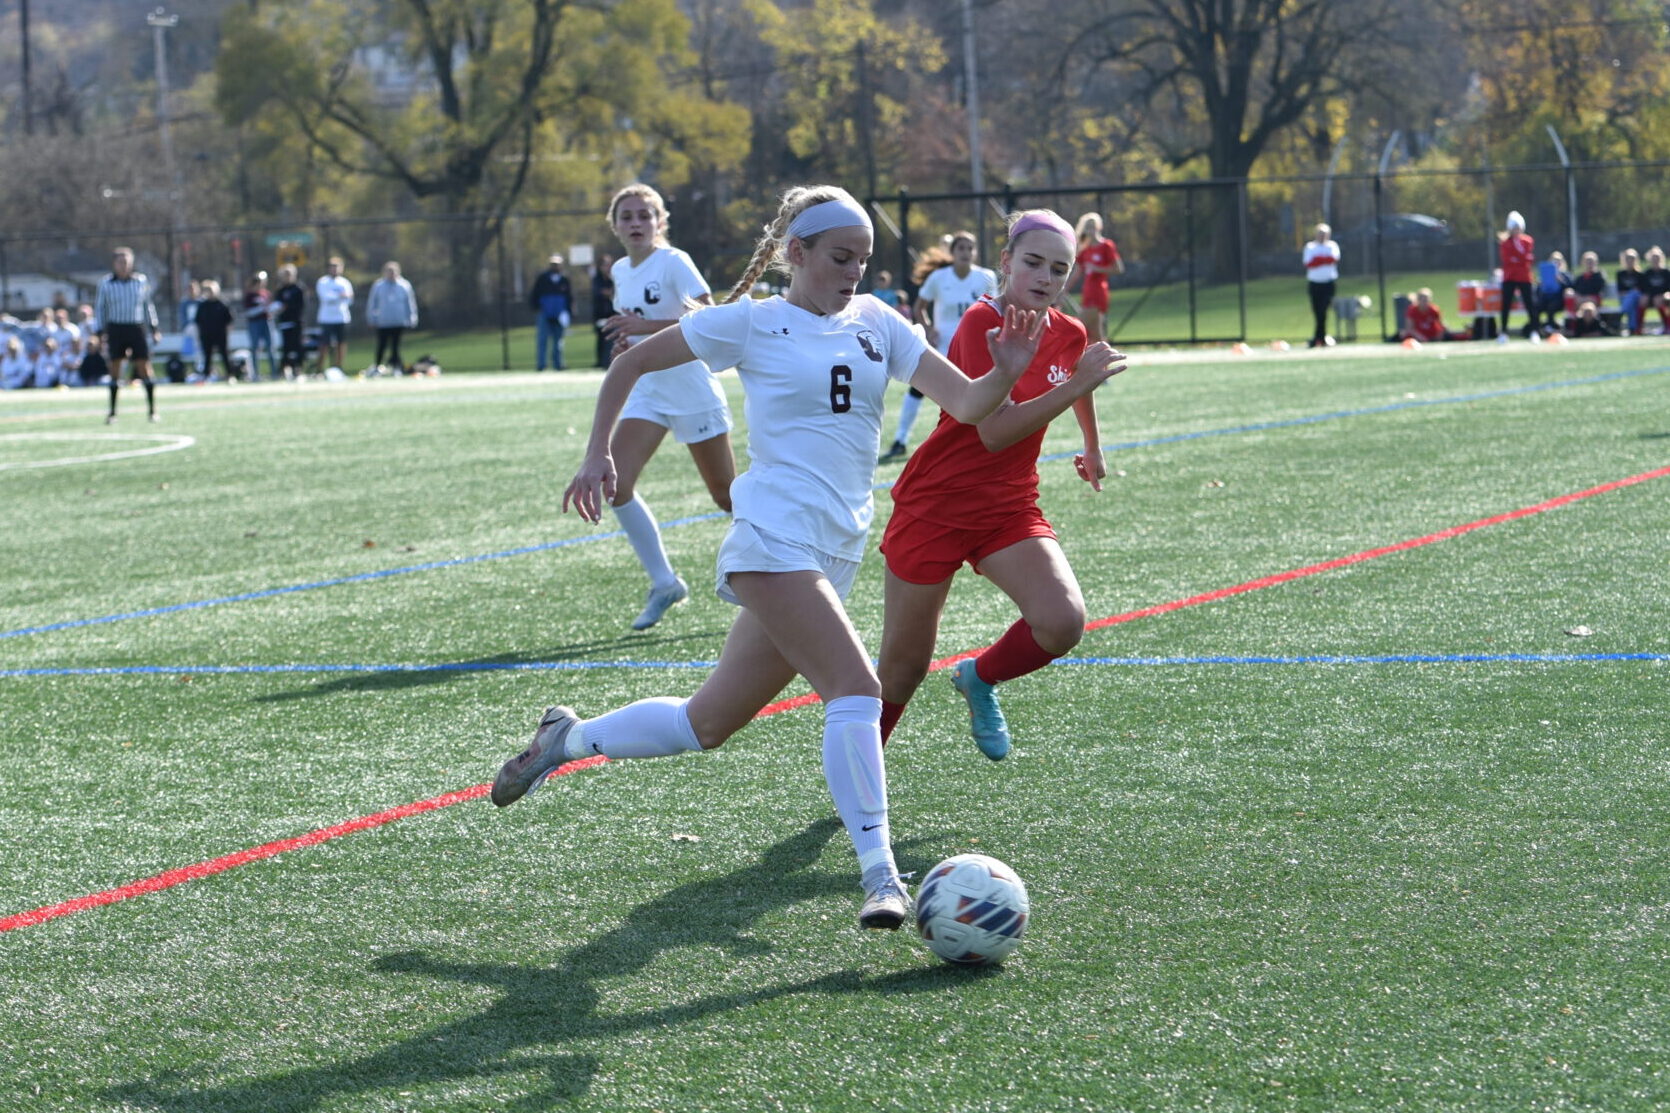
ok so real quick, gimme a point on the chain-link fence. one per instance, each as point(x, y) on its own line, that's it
point(1198, 256)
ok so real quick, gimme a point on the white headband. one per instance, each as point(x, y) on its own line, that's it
point(842, 212)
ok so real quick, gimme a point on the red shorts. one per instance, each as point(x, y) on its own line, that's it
point(1095, 296)
point(923, 552)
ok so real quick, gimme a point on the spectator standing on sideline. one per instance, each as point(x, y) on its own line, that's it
point(655, 285)
point(259, 324)
point(602, 303)
point(391, 308)
point(1321, 260)
point(335, 295)
point(214, 325)
point(128, 324)
point(814, 363)
point(552, 300)
point(188, 320)
point(1518, 253)
point(947, 284)
point(290, 307)
point(1098, 259)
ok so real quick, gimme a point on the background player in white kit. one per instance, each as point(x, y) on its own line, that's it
point(655, 284)
point(814, 364)
point(949, 285)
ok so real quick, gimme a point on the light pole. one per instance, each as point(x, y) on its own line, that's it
point(162, 20)
point(977, 172)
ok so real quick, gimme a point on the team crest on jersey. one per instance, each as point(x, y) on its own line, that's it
point(1058, 375)
point(868, 341)
point(652, 293)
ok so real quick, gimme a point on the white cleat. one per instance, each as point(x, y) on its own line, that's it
point(658, 602)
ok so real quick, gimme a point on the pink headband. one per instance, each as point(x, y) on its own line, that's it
point(1042, 219)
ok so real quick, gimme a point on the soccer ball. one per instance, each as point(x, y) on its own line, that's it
point(971, 910)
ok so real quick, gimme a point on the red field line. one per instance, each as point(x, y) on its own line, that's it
point(170, 878)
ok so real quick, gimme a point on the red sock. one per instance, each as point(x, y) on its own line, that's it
point(890, 713)
point(1016, 653)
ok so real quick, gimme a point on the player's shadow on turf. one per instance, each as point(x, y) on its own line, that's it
point(401, 679)
point(553, 1001)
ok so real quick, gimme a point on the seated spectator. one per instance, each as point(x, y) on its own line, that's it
point(1655, 289)
point(16, 372)
point(1629, 284)
point(1425, 323)
point(1587, 321)
point(46, 364)
point(94, 368)
point(1553, 280)
point(69, 363)
point(1590, 283)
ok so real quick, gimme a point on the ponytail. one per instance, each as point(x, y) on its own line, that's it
point(769, 250)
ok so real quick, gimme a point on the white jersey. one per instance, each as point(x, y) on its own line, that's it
point(660, 289)
point(814, 387)
point(336, 297)
point(952, 296)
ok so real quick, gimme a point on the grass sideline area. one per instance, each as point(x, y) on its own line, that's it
point(1356, 796)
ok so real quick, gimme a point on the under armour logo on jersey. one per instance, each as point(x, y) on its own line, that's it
point(1058, 375)
point(867, 341)
point(652, 293)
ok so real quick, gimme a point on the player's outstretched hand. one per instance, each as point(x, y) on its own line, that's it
point(1100, 362)
point(1015, 342)
point(591, 486)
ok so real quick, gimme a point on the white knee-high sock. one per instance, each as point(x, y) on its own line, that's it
point(657, 727)
point(645, 534)
point(908, 408)
point(852, 766)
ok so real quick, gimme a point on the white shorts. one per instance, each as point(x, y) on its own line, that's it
point(687, 428)
point(748, 549)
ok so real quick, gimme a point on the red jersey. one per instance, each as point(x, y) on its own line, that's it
point(1519, 255)
point(953, 479)
point(1101, 253)
point(1426, 322)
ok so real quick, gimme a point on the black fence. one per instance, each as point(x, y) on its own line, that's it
point(1191, 248)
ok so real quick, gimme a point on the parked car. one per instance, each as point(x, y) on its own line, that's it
point(1401, 228)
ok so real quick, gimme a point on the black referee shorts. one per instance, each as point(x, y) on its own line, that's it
point(127, 342)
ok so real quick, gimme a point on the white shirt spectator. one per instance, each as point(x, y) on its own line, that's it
point(336, 299)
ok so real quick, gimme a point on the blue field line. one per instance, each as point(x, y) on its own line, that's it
point(586, 666)
point(1125, 446)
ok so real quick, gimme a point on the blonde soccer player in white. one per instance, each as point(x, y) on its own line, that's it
point(814, 364)
point(655, 285)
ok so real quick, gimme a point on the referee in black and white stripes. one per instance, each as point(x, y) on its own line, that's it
point(127, 318)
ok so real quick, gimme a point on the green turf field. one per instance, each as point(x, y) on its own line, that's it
point(1386, 835)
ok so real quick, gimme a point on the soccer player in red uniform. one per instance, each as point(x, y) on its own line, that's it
point(1425, 322)
point(970, 494)
point(1098, 257)
point(1519, 256)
